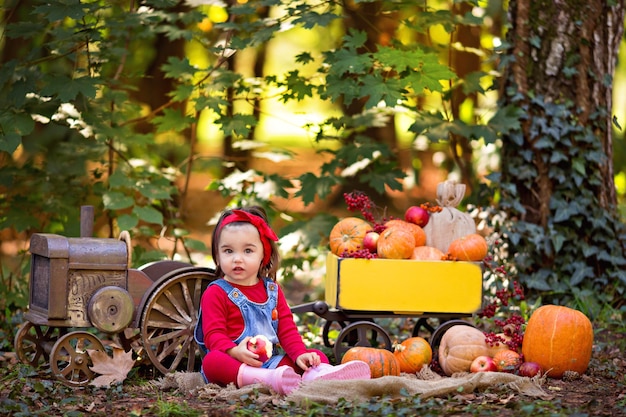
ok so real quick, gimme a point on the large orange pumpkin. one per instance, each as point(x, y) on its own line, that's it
point(395, 243)
point(381, 361)
point(418, 232)
point(459, 346)
point(347, 235)
point(427, 253)
point(472, 247)
point(412, 354)
point(559, 339)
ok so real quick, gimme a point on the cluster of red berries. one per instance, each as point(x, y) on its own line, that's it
point(360, 253)
point(359, 201)
point(512, 327)
point(514, 342)
point(502, 299)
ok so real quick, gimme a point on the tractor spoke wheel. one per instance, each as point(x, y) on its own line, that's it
point(70, 361)
point(169, 318)
point(33, 343)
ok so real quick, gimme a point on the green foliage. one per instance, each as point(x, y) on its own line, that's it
point(173, 409)
point(83, 96)
point(14, 297)
point(577, 257)
point(75, 127)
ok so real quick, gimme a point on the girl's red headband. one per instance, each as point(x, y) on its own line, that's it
point(265, 232)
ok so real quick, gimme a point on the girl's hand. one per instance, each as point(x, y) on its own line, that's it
point(307, 360)
point(242, 354)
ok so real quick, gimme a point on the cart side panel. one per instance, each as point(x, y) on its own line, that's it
point(404, 286)
point(331, 283)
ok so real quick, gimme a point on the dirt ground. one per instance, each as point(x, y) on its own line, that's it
point(601, 391)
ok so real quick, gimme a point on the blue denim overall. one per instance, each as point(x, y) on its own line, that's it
point(257, 317)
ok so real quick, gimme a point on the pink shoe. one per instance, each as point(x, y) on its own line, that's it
point(283, 379)
point(348, 370)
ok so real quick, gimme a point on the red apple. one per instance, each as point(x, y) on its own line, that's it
point(370, 241)
point(529, 369)
point(483, 364)
point(417, 215)
point(261, 346)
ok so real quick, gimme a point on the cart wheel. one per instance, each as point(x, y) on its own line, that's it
point(169, 319)
point(69, 360)
point(33, 343)
point(328, 326)
point(436, 336)
point(361, 333)
point(425, 327)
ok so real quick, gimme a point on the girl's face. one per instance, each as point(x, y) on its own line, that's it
point(240, 253)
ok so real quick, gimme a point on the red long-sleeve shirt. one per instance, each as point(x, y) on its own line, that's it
point(222, 321)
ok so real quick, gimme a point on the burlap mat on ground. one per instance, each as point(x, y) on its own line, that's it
point(425, 384)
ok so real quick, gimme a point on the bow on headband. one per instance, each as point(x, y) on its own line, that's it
point(265, 232)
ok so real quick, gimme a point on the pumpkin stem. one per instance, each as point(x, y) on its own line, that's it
point(398, 347)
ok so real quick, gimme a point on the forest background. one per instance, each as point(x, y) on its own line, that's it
point(162, 113)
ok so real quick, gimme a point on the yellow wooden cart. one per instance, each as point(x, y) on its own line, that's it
point(361, 290)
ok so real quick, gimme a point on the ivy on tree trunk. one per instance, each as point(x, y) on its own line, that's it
point(557, 176)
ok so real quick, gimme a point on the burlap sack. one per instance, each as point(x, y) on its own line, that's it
point(450, 223)
point(425, 384)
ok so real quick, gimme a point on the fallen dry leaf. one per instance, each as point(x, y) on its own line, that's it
point(112, 370)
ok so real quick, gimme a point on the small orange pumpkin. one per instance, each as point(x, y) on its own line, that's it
point(559, 339)
point(427, 253)
point(472, 247)
point(381, 361)
point(347, 235)
point(412, 354)
point(418, 232)
point(395, 243)
point(458, 348)
point(507, 360)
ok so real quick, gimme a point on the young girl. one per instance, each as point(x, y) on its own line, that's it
point(246, 301)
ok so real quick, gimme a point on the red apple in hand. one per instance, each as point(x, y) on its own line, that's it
point(261, 346)
point(370, 241)
point(483, 364)
point(417, 215)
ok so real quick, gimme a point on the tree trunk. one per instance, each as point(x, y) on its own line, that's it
point(557, 168)
point(565, 51)
point(464, 62)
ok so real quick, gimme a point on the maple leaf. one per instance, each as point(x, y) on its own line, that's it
point(112, 370)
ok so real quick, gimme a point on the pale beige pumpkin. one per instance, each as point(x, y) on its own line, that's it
point(459, 346)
